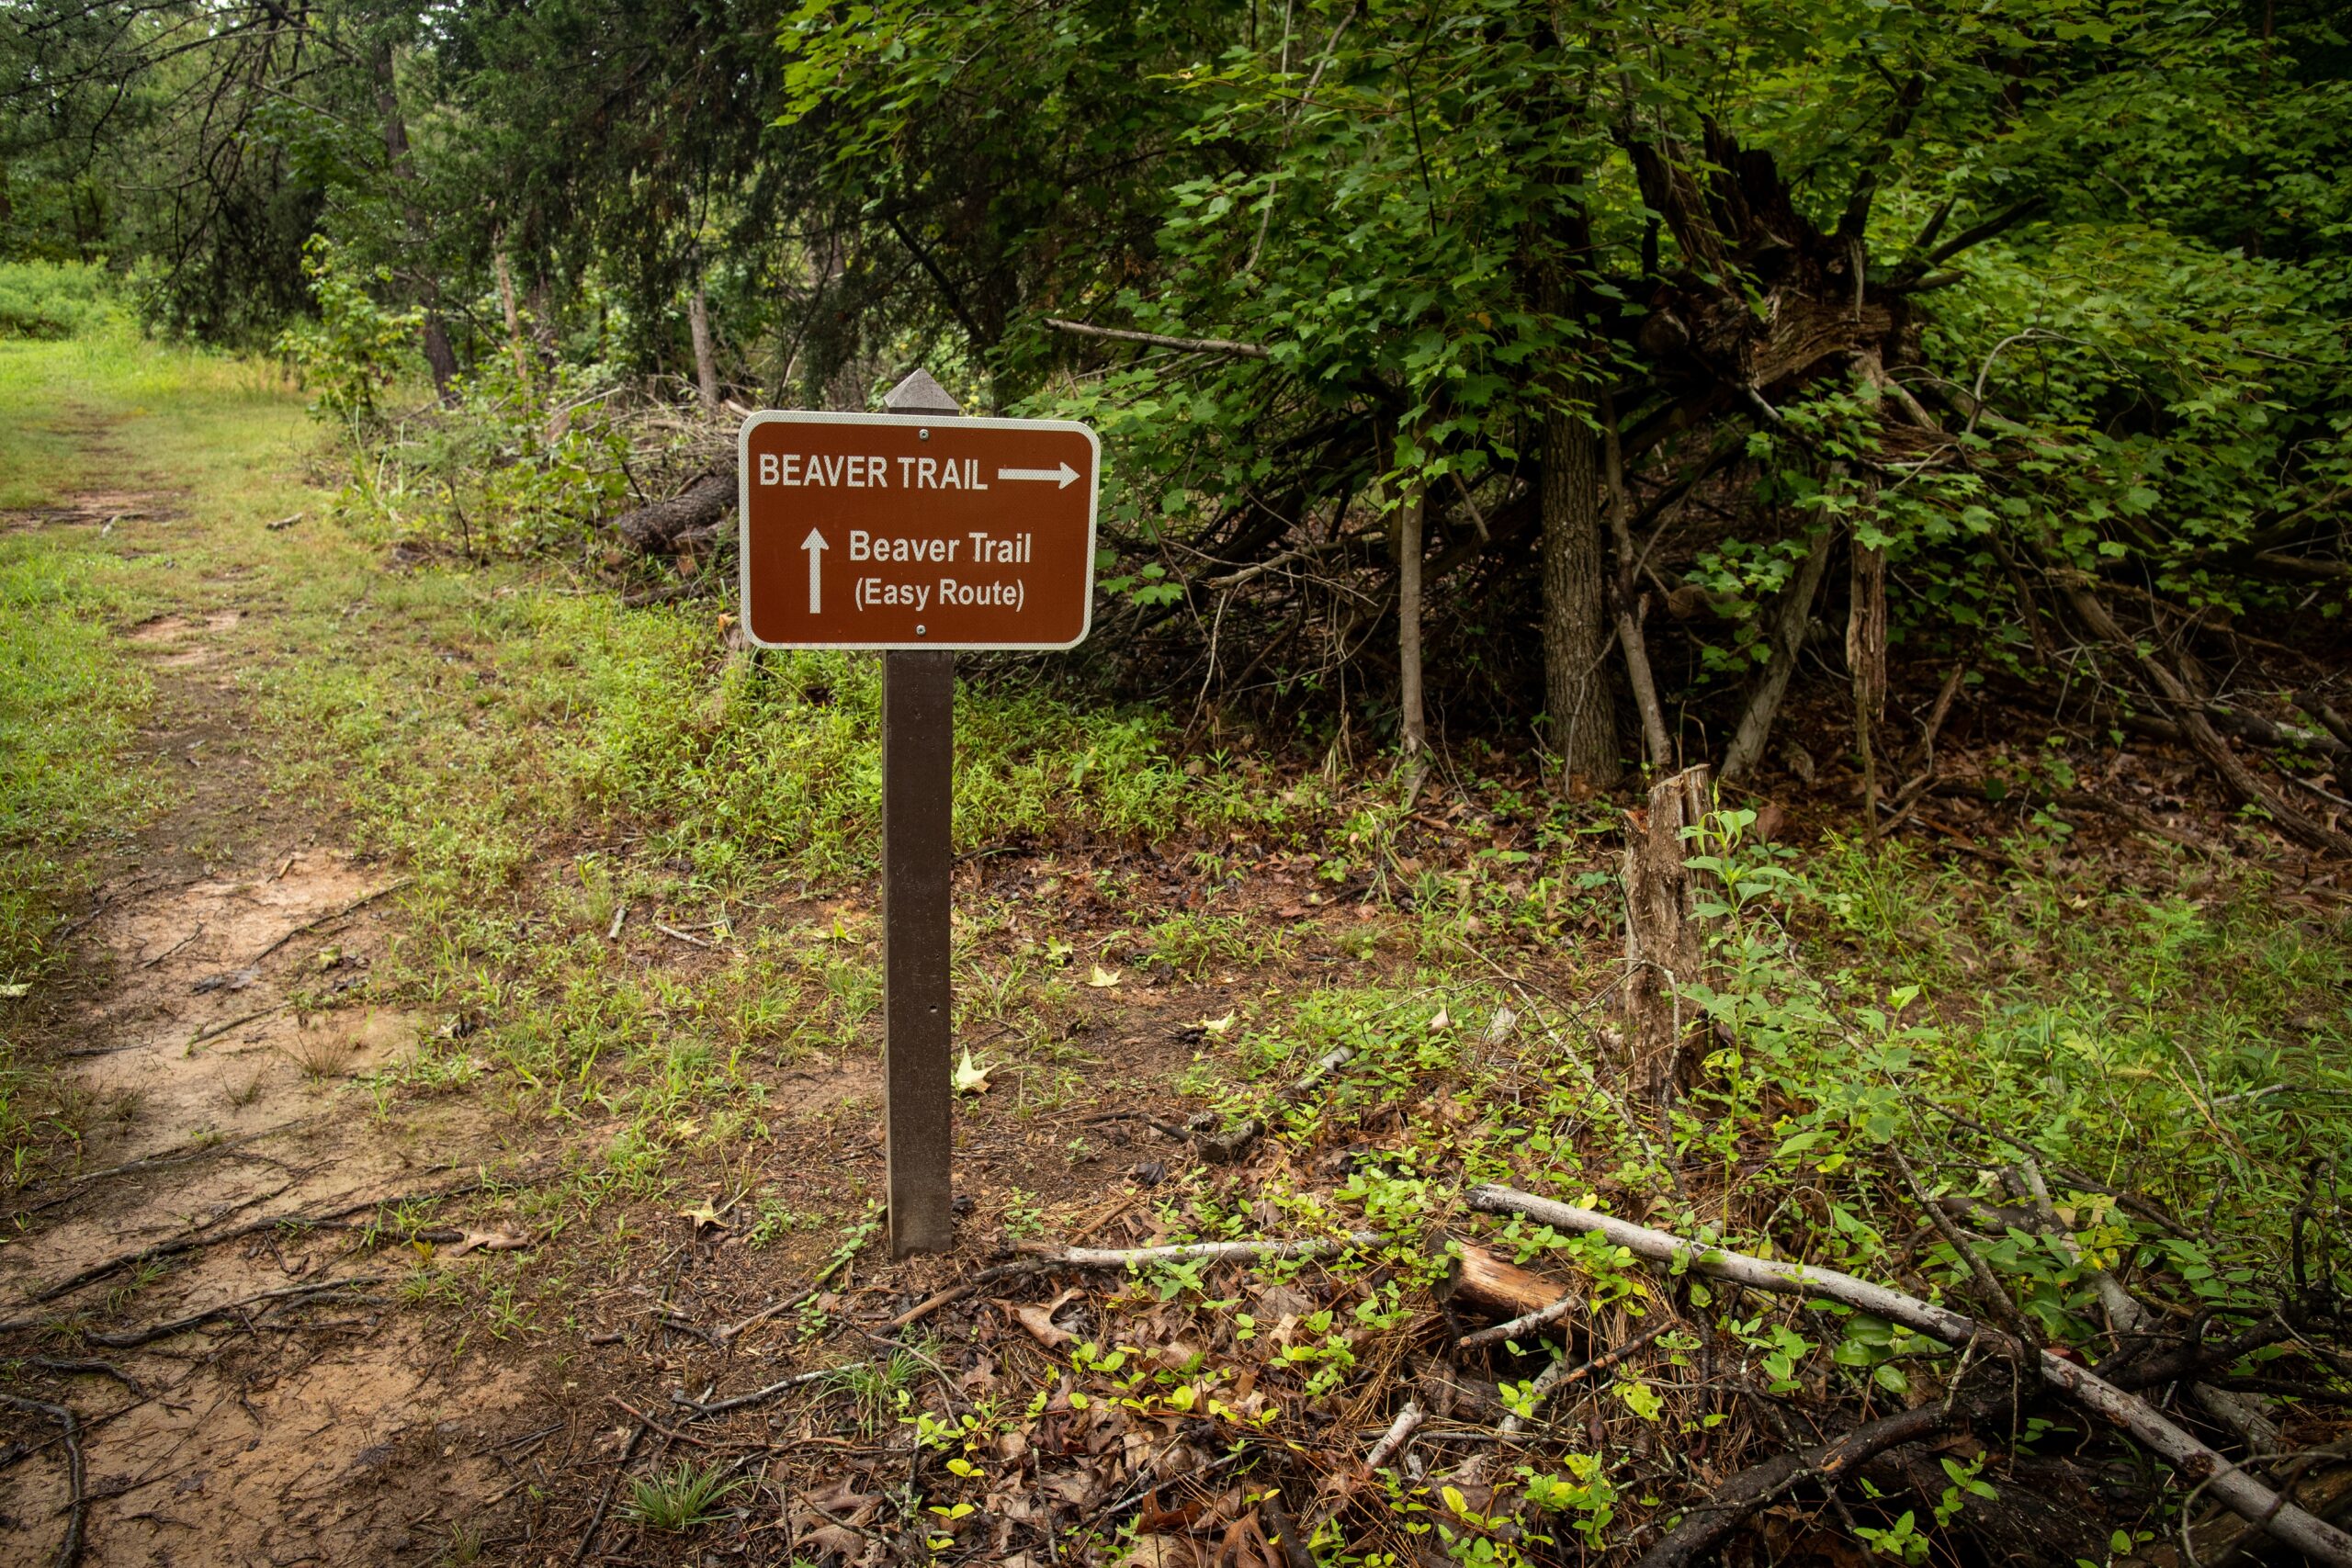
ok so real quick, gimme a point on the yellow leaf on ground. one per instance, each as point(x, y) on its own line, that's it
point(1101, 977)
point(1217, 1025)
point(970, 1076)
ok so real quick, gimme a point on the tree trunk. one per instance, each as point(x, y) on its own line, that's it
point(706, 363)
point(1414, 723)
point(1576, 611)
point(513, 321)
point(1632, 604)
point(438, 355)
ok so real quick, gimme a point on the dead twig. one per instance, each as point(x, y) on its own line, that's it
point(759, 1395)
point(1205, 1251)
point(1705, 1528)
point(1559, 1375)
point(1159, 340)
point(157, 1162)
point(151, 962)
point(605, 1502)
point(1541, 1317)
point(214, 1031)
point(1400, 1432)
point(315, 1220)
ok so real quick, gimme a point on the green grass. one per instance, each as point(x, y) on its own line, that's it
point(70, 699)
point(679, 1498)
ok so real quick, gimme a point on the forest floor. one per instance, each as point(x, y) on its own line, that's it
point(457, 1071)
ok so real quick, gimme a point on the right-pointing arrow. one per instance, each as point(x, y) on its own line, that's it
point(815, 545)
point(1058, 477)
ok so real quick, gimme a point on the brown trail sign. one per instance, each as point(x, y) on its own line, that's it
point(890, 531)
point(917, 531)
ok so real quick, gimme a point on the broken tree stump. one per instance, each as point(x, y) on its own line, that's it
point(1665, 941)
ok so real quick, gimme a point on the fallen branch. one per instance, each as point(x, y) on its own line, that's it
point(1705, 1528)
point(1795, 606)
point(1501, 1288)
point(2229, 1484)
point(155, 1162)
point(214, 1031)
point(596, 1520)
point(1227, 1147)
point(1159, 340)
point(1540, 1318)
point(662, 527)
point(1559, 1375)
point(99, 1368)
point(626, 1408)
point(69, 1551)
point(2245, 1416)
point(957, 1292)
point(2188, 713)
point(700, 1410)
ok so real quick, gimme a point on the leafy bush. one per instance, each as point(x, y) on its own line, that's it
point(55, 300)
point(355, 347)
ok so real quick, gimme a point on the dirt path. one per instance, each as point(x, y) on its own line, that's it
point(307, 1422)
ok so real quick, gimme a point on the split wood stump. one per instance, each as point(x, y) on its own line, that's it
point(1665, 941)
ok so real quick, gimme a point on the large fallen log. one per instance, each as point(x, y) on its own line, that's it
point(697, 511)
point(2240, 1492)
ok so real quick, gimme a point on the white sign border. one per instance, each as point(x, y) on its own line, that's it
point(813, 416)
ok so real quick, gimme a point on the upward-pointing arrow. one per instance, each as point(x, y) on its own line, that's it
point(815, 545)
point(1059, 476)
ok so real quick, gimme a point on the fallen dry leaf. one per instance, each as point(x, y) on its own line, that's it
point(703, 1214)
point(1217, 1025)
point(1039, 1322)
point(486, 1241)
point(1102, 978)
point(970, 1076)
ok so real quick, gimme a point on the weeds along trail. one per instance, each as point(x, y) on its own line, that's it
point(442, 1103)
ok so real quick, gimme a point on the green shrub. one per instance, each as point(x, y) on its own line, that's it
point(55, 300)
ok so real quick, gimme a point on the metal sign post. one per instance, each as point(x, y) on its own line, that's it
point(916, 532)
